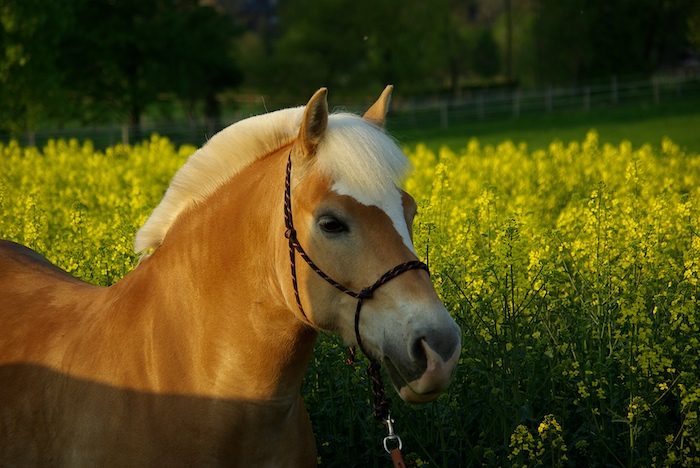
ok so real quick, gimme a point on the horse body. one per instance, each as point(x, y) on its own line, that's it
point(162, 357)
point(197, 355)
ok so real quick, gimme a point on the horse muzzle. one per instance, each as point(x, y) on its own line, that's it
point(428, 370)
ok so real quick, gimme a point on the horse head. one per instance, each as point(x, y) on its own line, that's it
point(355, 224)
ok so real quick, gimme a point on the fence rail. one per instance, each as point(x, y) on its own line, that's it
point(414, 113)
point(481, 105)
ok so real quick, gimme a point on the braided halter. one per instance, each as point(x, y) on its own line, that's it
point(381, 409)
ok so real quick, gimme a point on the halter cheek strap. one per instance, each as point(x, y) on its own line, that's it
point(381, 411)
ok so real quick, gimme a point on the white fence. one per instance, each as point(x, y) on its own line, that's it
point(484, 104)
point(426, 112)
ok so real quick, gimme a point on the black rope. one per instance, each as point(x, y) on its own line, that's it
point(381, 402)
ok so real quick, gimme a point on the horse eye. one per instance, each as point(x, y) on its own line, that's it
point(331, 225)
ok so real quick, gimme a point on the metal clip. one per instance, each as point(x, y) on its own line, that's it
point(392, 437)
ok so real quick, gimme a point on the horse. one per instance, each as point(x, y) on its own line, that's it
point(197, 355)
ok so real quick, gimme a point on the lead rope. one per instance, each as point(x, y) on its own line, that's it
point(381, 403)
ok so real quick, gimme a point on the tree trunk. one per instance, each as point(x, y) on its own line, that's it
point(135, 122)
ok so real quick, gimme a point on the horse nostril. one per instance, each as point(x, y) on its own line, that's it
point(418, 351)
point(441, 345)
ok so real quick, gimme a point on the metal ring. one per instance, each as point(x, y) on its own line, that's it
point(392, 438)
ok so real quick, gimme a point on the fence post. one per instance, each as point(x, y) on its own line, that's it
point(657, 96)
point(125, 135)
point(443, 115)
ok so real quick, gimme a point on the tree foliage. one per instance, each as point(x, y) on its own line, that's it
point(580, 39)
point(486, 56)
point(100, 60)
point(29, 74)
point(693, 34)
point(113, 60)
point(448, 44)
point(151, 48)
point(353, 45)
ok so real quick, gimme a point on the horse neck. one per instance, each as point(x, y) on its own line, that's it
point(219, 273)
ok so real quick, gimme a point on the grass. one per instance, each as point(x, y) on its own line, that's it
point(679, 121)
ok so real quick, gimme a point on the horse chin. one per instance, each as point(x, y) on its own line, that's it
point(409, 396)
point(406, 390)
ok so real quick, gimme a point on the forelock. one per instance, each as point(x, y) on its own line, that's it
point(362, 158)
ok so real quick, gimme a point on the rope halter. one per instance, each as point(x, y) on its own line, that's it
point(381, 403)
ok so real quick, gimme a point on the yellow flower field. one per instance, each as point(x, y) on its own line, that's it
point(573, 273)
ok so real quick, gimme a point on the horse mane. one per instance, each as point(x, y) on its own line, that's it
point(348, 152)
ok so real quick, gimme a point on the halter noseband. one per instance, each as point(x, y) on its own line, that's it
point(381, 407)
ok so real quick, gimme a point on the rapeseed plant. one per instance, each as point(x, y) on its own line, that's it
point(573, 271)
point(574, 274)
point(81, 207)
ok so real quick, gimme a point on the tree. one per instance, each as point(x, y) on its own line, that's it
point(582, 39)
point(320, 43)
point(203, 63)
point(356, 46)
point(486, 55)
point(30, 78)
point(414, 44)
point(129, 53)
point(693, 34)
point(509, 40)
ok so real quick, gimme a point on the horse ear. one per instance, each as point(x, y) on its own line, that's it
point(377, 113)
point(315, 121)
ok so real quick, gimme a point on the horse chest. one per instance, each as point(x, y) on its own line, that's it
point(74, 422)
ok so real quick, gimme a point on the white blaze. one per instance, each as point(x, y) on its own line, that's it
point(389, 204)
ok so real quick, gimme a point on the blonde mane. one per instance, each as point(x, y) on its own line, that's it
point(353, 151)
